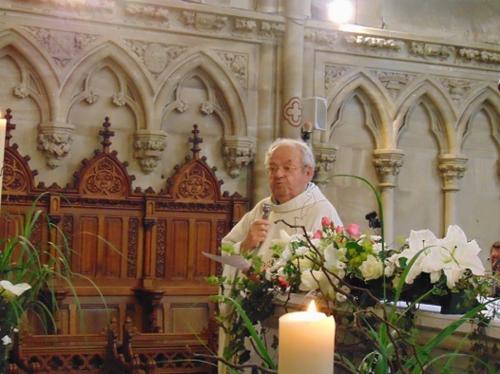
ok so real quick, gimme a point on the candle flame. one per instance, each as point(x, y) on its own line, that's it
point(312, 307)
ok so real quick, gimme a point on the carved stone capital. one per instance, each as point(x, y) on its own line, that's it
point(54, 140)
point(325, 155)
point(387, 163)
point(237, 151)
point(148, 147)
point(452, 168)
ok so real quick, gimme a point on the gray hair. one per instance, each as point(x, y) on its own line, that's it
point(307, 155)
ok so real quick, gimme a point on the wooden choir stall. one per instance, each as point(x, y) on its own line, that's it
point(150, 308)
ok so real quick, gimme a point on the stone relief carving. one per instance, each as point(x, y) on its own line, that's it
point(387, 163)
point(332, 73)
point(54, 141)
point(207, 107)
point(321, 37)
point(245, 24)
point(272, 29)
point(21, 91)
point(90, 96)
point(238, 152)
point(148, 147)
point(118, 99)
point(394, 81)
point(457, 88)
point(155, 56)
point(238, 63)
point(452, 169)
point(181, 106)
point(62, 46)
point(431, 50)
point(204, 21)
point(325, 155)
point(154, 12)
point(372, 42)
point(479, 55)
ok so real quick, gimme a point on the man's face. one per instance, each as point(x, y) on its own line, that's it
point(288, 177)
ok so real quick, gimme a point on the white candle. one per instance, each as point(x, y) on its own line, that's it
point(306, 342)
point(3, 127)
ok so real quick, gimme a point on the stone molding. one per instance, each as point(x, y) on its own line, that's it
point(387, 163)
point(148, 147)
point(237, 152)
point(54, 141)
point(452, 169)
point(325, 155)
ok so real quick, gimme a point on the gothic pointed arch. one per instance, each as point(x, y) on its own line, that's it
point(374, 100)
point(231, 112)
point(484, 99)
point(38, 75)
point(438, 106)
point(133, 82)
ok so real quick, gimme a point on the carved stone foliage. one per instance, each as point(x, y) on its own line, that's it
point(321, 37)
point(387, 163)
point(204, 21)
point(54, 141)
point(333, 73)
point(479, 55)
point(62, 46)
point(452, 169)
point(154, 12)
point(431, 50)
point(148, 147)
point(238, 64)
point(238, 152)
point(155, 56)
point(272, 29)
point(372, 42)
point(325, 155)
point(394, 81)
point(245, 25)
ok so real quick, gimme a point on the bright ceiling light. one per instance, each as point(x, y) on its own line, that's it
point(340, 11)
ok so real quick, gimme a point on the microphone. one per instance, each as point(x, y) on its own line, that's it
point(266, 210)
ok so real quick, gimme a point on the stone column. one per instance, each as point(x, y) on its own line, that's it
point(325, 155)
point(259, 185)
point(54, 141)
point(292, 67)
point(452, 168)
point(387, 163)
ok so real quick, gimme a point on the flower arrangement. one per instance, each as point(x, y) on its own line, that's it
point(29, 272)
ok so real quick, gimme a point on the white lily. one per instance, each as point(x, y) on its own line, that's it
point(11, 291)
point(458, 255)
point(417, 241)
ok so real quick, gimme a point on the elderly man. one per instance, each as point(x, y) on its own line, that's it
point(294, 199)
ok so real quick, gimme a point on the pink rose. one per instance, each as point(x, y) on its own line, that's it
point(339, 229)
point(353, 230)
point(325, 221)
point(318, 234)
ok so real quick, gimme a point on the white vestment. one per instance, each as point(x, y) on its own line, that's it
point(306, 209)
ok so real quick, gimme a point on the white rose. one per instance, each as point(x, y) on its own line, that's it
point(371, 268)
point(6, 340)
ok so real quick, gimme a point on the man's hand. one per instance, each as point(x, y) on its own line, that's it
point(256, 234)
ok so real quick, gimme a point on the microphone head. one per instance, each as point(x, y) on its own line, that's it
point(266, 210)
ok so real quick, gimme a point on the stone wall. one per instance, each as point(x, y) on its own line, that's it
point(412, 101)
